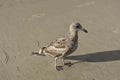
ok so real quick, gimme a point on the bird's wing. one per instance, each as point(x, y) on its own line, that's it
point(57, 47)
point(59, 43)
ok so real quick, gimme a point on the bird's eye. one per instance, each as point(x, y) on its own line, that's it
point(77, 26)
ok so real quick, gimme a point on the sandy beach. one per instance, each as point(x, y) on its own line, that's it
point(27, 25)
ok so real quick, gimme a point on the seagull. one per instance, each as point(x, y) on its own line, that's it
point(62, 47)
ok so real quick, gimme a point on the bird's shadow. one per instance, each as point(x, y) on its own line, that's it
point(104, 56)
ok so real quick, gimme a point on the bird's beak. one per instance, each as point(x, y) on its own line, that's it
point(84, 30)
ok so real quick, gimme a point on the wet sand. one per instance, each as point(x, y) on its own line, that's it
point(27, 25)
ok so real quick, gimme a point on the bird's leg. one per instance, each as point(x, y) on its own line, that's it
point(69, 64)
point(63, 61)
point(59, 68)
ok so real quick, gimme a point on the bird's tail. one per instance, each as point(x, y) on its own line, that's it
point(40, 53)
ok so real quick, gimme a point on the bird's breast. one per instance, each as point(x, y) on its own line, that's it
point(72, 48)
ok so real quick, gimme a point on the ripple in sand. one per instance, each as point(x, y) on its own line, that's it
point(116, 31)
point(86, 4)
point(35, 16)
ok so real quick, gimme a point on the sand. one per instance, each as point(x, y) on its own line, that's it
point(27, 25)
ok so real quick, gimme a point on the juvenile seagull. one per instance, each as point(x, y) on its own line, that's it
point(62, 47)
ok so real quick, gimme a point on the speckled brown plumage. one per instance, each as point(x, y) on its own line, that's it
point(62, 47)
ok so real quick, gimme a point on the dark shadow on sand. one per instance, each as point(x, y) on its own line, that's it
point(104, 56)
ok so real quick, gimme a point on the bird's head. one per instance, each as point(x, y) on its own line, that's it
point(77, 27)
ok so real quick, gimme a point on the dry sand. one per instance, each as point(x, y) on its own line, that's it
point(27, 25)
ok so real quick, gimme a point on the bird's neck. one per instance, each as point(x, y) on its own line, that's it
point(73, 35)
